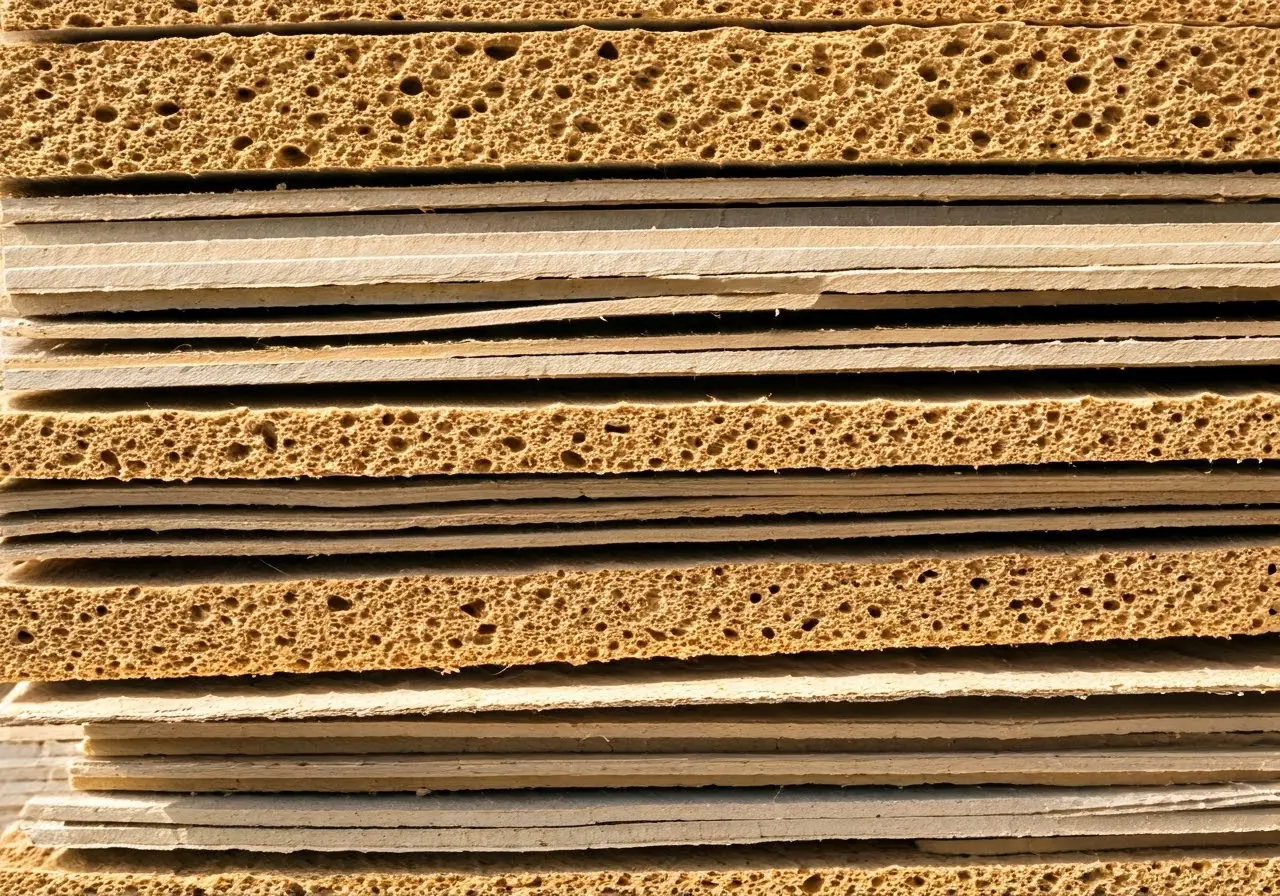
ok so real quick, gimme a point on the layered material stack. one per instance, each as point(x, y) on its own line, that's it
point(828, 447)
point(33, 760)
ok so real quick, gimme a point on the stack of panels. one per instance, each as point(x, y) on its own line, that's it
point(872, 387)
point(710, 753)
point(33, 761)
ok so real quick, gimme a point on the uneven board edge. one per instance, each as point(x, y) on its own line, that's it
point(938, 186)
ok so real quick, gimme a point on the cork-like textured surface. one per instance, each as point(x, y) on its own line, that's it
point(965, 93)
point(759, 871)
point(53, 14)
point(415, 439)
point(54, 631)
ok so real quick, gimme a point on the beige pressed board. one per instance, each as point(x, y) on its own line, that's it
point(564, 535)
point(286, 322)
point(1115, 484)
point(934, 187)
point(663, 833)
point(665, 225)
point(1018, 846)
point(857, 290)
point(44, 352)
point(394, 773)
point(959, 722)
point(574, 809)
point(904, 254)
point(321, 366)
point(1189, 667)
point(282, 520)
point(499, 822)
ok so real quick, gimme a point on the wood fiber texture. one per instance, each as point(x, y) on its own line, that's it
point(758, 871)
point(155, 630)
point(414, 439)
point(24, 15)
point(964, 93)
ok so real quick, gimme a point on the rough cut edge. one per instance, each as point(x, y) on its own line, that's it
point(285, 322)
point(976, 722)
point(574, 808)
point(1045, 846)
point(669, 833)
point(326, 366)
point(625, 337)
point(857, 290)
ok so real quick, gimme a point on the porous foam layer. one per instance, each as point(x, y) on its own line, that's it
point(760, 871)
point(582, 613)
point(963, 93)
point(30, 15)
point(417, 439)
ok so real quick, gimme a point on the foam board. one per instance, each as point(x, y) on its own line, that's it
point(589, 427)
point(613, 117)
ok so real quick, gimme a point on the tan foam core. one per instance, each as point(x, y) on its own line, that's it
point(73, 440)
point(605, 610)
point(996, 92)
point(754, 871)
